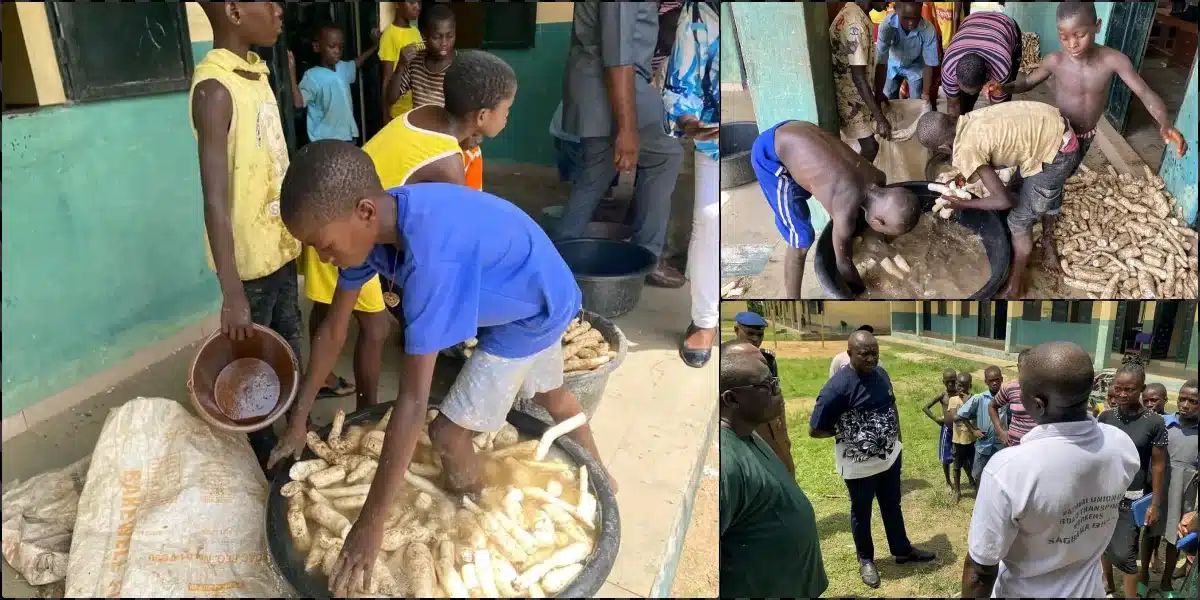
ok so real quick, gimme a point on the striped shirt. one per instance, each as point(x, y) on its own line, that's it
point(995, 38)
point(1020, 422)
point(425, 85)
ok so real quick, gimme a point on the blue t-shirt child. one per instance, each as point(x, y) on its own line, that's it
point(328, 102)
point(473, 265)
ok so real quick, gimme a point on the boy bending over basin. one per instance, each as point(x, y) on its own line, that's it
point(468, 264)
point(795, 161)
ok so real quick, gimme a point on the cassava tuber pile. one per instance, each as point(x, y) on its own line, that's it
point(584, 348)
point(528, 536)
point(1031, 52)
point(1123, 237)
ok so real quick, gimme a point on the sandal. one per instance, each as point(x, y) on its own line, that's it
point(342, 389)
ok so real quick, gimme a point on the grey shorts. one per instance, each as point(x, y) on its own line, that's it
point(1042, 195)
point(981, 461)
point(488, 385)
point(1122, 549)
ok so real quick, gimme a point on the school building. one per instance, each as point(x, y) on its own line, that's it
point(1106, 329)
point(757, 34)
point(105, 258)
point(814, 317)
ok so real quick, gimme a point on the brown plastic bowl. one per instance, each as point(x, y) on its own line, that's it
point(218, 351)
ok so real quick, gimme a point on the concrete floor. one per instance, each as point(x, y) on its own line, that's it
point(1142, 131)
point(655, 427)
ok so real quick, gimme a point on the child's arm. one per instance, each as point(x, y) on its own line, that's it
point(844, 226)
point(929, 52)
point(212, 114)
point(1024, 83)
point(400, 83)
point(882, 53)
point(1154, 104)
point(369, 52)
point(448, 169)
point(929, 406)
point(998, 197)
point(297, 97)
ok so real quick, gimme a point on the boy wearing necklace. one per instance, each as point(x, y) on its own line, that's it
point(243, 157)
point(423, 144)
point(467, 264)
point(423, 75)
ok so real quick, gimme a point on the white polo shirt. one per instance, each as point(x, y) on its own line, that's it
point(1047, 508)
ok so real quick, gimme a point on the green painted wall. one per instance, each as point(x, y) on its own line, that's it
point(103, 240)
point(904, 321)
point(1180, 173)
point(939, 324)
point(540, 73)
point(1032, 333)
point(731, 54)
point(1038, 17)
point(968, 326)
point(785, 47)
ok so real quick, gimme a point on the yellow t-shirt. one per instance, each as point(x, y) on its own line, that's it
point(1019, 134)
point(258, 159)
point(962, 433)
point(944, 13)
point(391, 42)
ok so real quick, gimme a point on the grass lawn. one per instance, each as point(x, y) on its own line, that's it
point(932, 521)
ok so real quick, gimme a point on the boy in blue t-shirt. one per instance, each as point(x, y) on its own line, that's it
point(467, 264)
point(325, 89)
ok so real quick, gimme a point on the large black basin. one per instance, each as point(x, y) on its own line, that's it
point(986, 223)
point(586, 584)
point(610, 273)
point(736, 140)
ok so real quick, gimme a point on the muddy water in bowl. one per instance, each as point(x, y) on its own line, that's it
point(247, 389)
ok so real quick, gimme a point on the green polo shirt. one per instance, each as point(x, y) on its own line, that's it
point(769, 542)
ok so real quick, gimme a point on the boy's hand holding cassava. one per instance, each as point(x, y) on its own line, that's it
point(293, 440)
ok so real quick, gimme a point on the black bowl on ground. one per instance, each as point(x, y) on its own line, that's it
point(736, 140)
point(595, 569)
point(986, 223)
point(610, 273)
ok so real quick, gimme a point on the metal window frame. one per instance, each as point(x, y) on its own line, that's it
point(74, 81)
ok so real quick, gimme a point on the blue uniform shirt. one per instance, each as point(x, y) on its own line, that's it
point(473, 265)
point(977, 408)
point(906, 53)
point(328, 102)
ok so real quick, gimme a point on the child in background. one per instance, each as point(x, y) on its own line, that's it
point(964, 434)
point(243, 158)
point(946, 438)
point(422, 76)
point(1083, 71)
point(397, 47)
point(907, 50)
point(325, 89)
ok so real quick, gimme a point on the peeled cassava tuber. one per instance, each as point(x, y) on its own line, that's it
point(584, 348)
point(1120, 236)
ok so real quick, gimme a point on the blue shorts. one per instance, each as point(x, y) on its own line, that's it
point(946, 446)
point(788, 200)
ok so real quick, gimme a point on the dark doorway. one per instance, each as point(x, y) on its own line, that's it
point(300, 23)
point(926, 316)
point(1128, 31)
point(1128, 325)
point(1000, 321)
point(1164, 327)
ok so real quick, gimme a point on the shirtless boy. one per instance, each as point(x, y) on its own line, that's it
point(797, 160)
point(1083, 70)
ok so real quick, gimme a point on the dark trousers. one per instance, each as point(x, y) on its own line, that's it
point(885, 487)
point(275, 303)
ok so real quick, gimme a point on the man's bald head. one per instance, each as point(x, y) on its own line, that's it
point(863, 351)
point(1056, 380)
point(742, 364)
point(860, 337)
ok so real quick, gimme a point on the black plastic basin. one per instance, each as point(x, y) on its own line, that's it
point(315, 585)
point(986, 223)
point(735, 141)
point(610, 273)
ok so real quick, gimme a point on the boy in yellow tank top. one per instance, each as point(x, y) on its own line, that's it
point(243, 158)
point(398, 45)
point(423, 145)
